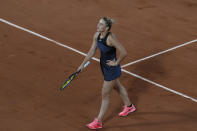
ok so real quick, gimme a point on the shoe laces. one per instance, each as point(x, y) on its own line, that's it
point(126, 108)
point(95, 122)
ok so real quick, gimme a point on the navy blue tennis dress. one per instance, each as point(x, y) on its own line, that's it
point(108, 53)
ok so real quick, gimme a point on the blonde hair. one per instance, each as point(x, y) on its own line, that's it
point(108, 22)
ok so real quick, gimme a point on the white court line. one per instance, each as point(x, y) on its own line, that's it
point(46, 38)
point(75, 50)
point(162, 52)
point(154, 83)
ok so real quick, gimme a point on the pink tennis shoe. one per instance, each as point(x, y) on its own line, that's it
point(98, 125)
point(95, 124)
point(127, 110)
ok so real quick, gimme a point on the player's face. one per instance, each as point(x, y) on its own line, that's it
point(101, 27)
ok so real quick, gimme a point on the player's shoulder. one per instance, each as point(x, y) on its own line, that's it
point(96, 34)
point(111, 36)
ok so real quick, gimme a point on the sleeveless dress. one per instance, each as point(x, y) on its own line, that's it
point(108, 53)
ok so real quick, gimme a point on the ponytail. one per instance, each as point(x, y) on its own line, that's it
point(108, 22)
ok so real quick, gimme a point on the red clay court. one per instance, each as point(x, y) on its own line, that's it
point(44, 41)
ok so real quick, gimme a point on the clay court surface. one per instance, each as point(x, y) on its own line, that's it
point(32, 69)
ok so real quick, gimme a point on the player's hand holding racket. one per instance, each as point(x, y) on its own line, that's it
point(72, 76)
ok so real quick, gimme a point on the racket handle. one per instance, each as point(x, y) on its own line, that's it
point(86, 64)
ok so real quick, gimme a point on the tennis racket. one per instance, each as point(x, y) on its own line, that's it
point(72, 77)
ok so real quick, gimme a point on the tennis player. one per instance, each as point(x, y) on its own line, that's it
point(110, 66)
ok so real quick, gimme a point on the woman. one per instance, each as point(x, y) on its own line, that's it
point(110, 66)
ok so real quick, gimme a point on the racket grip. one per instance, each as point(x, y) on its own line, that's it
point(86, 64)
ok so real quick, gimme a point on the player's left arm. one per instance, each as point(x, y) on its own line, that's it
point(113, 41)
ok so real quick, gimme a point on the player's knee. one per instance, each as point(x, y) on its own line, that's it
point(105, 94)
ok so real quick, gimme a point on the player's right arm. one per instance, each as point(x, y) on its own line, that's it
point(91, 51)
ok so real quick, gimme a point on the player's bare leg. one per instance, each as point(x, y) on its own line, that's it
point(107, 87)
